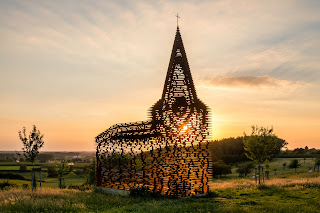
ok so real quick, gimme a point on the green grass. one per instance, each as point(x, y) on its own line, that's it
point(50, 182)
point(285, 198)
point(6, 167)
point(15, 168)
point(287, 191)
point(277, 163)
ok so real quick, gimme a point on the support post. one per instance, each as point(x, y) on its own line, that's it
point(40, 176)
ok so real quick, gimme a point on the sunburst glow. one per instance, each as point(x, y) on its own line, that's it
point(185, 127)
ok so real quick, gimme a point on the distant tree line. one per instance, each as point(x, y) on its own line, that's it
point(300, 153)
point(231, 150)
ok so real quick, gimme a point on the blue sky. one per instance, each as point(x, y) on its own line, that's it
point(74, 68)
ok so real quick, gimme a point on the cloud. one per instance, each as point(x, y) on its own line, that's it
point(250, 81)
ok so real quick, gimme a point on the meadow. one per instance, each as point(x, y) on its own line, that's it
point(307, 164)
point(70, 179)
point(278, 195)
point(285, 191)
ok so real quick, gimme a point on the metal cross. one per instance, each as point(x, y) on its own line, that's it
point(177, 19)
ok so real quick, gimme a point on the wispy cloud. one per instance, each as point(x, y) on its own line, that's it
point(250, 81)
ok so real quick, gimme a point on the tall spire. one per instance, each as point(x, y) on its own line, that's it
point(179, 79)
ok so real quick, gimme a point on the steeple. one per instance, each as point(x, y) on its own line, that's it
point(179, 80)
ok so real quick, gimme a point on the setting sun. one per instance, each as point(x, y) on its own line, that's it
point(185, 128)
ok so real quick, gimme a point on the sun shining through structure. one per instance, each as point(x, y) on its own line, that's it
point(185, 128)
point(168, 153)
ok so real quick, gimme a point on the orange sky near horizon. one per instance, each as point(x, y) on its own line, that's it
point(74, 69)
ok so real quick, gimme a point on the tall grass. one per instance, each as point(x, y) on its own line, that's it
point(277, 182)
point(298, 194)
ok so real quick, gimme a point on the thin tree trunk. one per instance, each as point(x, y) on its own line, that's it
point(255, 174)
point(32, 176)
point(259, 173)
point(40, 176)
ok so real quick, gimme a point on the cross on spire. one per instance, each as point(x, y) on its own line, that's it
point(177, 19)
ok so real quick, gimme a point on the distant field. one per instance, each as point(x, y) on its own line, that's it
point(277, 163)
point(51, 182)
point(46, 182)
point(15, 168)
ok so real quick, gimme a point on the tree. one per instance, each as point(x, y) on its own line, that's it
point(245, 170)
point(280, 143)
point(317, 163)
point(43, 157)
point(284, 165)
point(260, 145)
point(220, 168)
point(52, 171)
point(23, 168)
point(294, 164)
point(62, 170)
point(275, 171)
point(90, 172)
point(31, 146)
point(267, 168)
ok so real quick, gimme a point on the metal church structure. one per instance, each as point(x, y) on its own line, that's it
point(167, 153)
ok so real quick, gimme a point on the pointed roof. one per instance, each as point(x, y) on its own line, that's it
point(178, 59)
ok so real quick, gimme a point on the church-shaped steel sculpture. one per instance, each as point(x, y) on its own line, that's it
point(168, 153)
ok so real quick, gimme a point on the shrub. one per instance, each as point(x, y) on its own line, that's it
point(245, 170)
point(6, 185)
point(90, 172)
point(23, 168)
point(220, 168)
point(25, 186)
point(71, 168)
point(82, 187)
point(78, 172)
point(72, 175)
point(52, 171)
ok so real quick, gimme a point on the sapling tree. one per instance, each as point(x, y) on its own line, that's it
point(62, 170)
point(259, 145)
point(275, 171)
point(31, 145)
point(267, 168)
point(317, 163)
point(284, 165)
point(294, 164)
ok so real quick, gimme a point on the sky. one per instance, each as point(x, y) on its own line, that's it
point(73, 68)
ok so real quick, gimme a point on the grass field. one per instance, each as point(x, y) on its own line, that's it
point(278, 196)
point(51, 182)
point(46, 181)
point(277, 163)
point(15, 168)
point(286, 191)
